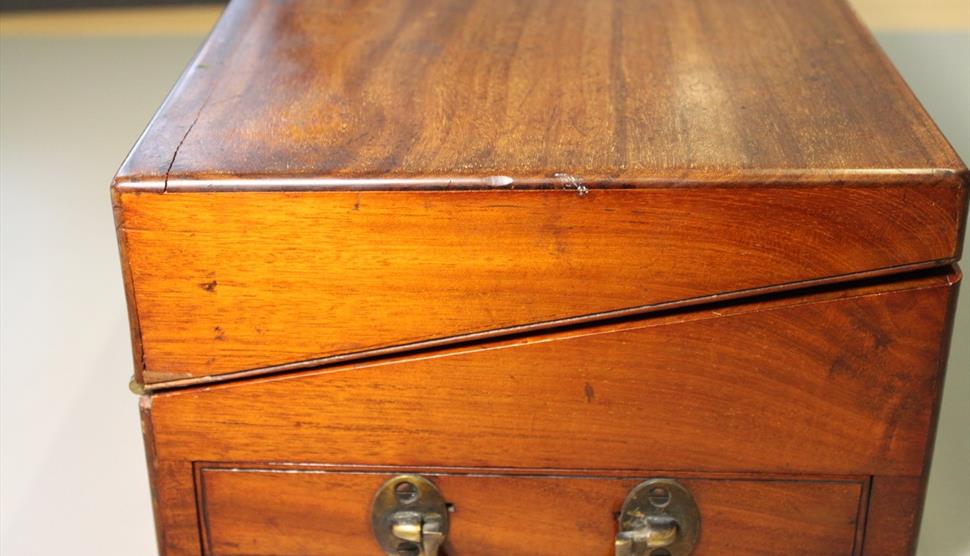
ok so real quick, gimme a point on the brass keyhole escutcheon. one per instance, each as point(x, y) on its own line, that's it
point(659, 518)
point(409, 517)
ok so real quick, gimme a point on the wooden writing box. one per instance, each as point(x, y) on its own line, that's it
point(643, 278)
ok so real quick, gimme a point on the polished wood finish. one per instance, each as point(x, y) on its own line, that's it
point(222, 284)
point(326, 170)
point(609, 92)
point(317, 513)
point(539, 247)
point(896, 504)
point(840, 381)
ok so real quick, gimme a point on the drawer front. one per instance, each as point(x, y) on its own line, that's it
point(316, 513)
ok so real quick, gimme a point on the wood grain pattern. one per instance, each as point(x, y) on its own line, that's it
point(735, 383)
point(613, 90)
point(656, 191)
point(158, 482)
point(313, 513)
point(841, 382)
point(237, 281)
point(896, 503)
point(895, 507)
point(704, 147)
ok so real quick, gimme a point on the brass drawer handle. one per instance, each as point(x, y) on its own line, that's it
point(409, 517)
point(659, 518)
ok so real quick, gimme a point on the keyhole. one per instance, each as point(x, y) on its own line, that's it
point(411, 549)
point(660, 552)
point(406, 492)
point(659, 497)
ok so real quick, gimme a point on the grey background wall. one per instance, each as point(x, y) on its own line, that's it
point(75, 92)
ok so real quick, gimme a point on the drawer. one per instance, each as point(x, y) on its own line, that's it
point(307, 512)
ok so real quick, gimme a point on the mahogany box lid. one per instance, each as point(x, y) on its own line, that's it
point(334, 179)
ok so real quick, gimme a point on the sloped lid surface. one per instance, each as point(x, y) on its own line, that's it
point(305, 93)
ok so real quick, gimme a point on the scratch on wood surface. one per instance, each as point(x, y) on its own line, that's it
point(499, 181)
point(572, 182)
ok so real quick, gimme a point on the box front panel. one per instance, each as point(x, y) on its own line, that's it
point(222, 285)
point(834, 383)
